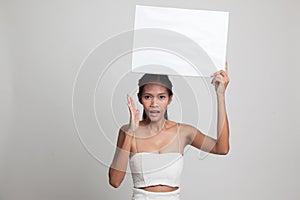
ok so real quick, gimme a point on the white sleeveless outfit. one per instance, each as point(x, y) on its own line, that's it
point(150, 169)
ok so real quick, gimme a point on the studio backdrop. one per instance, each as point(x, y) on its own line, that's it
point(65, 74)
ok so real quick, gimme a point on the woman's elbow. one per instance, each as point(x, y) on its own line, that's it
point(224, 151)
point(115, 179)
point(114, 183)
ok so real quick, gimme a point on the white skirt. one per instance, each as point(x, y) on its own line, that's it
point(140, 194)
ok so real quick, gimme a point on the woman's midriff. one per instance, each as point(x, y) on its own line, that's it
point(159, 188)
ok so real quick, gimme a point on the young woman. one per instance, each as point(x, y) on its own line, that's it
point(154, 146)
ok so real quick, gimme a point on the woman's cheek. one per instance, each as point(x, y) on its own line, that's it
point(146, 104)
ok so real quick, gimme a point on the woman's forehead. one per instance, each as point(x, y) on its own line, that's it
point(155, 87)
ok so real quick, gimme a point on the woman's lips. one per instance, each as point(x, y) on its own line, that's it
point(154, 113)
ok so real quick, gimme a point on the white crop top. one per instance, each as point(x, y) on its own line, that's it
point(149, 169)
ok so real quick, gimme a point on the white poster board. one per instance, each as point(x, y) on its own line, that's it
point(177, 41)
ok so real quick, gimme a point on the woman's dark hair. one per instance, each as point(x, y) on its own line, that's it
point(154, 78)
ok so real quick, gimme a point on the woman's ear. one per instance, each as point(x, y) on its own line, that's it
point(170, 99)
point(139, 98)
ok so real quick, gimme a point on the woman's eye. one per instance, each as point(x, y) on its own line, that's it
point(162, 97)
point(147, 97)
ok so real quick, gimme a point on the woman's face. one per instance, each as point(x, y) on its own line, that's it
point(155, 99)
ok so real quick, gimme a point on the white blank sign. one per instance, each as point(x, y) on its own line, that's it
point(177, 41)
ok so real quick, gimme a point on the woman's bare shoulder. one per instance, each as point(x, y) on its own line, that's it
point(124, 128)
point(185, 126)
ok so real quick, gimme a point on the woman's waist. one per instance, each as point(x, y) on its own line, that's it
point(159, 188)
point(157, 191)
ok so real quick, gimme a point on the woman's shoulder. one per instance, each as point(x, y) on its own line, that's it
point(124, 128)
point(182, 126)
point(170, 124)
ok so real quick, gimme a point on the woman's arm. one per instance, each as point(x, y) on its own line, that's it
point(204, 142)
point(118, 167)
point(222, 143)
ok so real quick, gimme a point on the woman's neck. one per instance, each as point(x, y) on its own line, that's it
point(156, 126)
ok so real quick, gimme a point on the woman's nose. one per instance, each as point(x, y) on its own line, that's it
point(154, 101)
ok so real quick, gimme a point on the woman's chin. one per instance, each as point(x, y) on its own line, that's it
point(155, 117)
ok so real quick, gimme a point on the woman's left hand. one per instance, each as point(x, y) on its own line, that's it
point(221, 80)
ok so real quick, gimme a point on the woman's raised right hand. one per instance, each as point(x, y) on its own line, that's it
point(134, 115)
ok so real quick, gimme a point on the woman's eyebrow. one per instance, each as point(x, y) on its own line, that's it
point(147, 93)
point(163, 93)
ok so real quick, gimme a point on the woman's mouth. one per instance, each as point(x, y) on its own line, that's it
point(154, 113)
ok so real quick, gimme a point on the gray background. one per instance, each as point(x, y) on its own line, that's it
point(42, 47)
